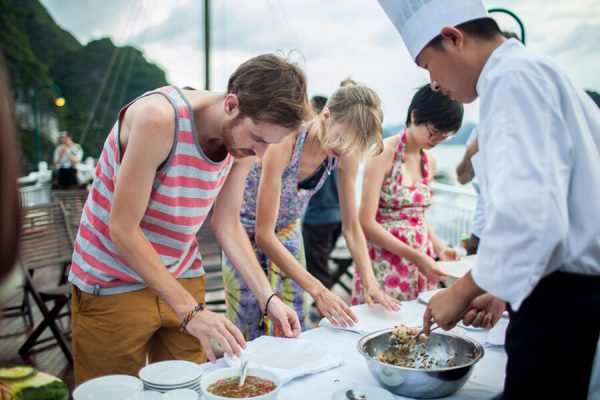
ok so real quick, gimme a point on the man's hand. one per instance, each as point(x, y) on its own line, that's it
point(484, 312)
point(207, 325)
point(285, 317)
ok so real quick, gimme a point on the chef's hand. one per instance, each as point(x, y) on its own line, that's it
point(464, 171)
point(284, 317)
point(206, 325)
point(334, 308)
point(373, 294)
point(445, 308)
point(448, 254)
point(449, 305)
point(428, 268)
point(484, 312)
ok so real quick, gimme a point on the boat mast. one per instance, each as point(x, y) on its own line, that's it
point(206, 44)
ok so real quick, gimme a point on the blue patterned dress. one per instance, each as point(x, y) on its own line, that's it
point(242, 307)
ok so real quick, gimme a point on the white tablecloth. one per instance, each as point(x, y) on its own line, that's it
point(485, 382)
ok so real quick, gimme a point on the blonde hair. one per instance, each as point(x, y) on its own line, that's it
point(359, 108)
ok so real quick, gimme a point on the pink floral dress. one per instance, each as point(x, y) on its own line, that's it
point(402, 212)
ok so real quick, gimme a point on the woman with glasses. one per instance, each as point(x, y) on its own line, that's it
point(396, 192)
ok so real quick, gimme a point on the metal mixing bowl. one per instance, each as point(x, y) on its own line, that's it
point(423, 383)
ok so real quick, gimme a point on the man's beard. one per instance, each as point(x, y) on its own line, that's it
point(229, 140)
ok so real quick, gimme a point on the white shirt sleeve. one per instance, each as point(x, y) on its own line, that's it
point(77, 153)
point(526, 166)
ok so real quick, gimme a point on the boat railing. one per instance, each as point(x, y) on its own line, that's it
point(451, 212)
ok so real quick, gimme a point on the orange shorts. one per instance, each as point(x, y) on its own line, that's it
point(117, 334)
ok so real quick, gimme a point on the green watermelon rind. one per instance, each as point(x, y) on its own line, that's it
point(5, 374)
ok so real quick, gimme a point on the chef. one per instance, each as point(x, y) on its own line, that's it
point(539, 170)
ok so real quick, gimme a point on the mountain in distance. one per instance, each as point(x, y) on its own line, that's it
point(97, 78)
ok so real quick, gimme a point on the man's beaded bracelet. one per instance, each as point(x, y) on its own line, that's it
point(265, 316)
point(268, 301)
point(199, 307)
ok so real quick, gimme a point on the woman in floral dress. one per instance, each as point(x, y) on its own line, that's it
point(277, 192)
point(396, 194)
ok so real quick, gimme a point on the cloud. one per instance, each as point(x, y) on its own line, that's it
point(337, 38)
point(582, 41)
point(89, 18)
point(183, 23)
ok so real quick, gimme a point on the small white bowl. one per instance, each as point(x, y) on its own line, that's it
point(114, 387)
point(166, 374)
point(219, 374)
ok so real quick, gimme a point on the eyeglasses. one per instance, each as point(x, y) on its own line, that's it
point(437, 134)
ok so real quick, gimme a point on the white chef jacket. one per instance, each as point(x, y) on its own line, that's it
point(539, 171)
point(479, 215)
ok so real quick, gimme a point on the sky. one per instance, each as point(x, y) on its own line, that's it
point(331, 39)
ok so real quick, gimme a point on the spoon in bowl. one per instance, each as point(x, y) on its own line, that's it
point(243, 370)
point(394, 342)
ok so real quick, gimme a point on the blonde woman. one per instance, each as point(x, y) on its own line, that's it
point(277, 192)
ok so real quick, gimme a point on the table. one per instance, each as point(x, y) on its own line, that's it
point(485, 382)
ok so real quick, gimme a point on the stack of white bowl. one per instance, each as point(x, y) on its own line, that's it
point(165, 376)
point(114, 387)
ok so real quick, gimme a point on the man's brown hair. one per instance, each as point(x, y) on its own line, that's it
point(271, 89)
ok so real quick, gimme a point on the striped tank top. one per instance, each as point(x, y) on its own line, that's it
point(184, 190)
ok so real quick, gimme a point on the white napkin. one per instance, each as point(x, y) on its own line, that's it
point(489, 337)
point(375, 318)
point(474, 390)
point(457, 268)
point(427, 295)
point(288, 358)
point(496, 335)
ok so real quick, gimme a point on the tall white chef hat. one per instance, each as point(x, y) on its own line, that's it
point(419, 21)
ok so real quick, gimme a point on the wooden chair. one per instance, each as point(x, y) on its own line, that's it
point(46, 241)
point(211, 254)
point(341, 257)
point(214, 288)
point(73, 202)
point(13, 289)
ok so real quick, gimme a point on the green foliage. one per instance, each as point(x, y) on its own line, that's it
point(98, 78)
point(122, 71)
point(47, 39)
point(28, 149)
point(24, 68)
